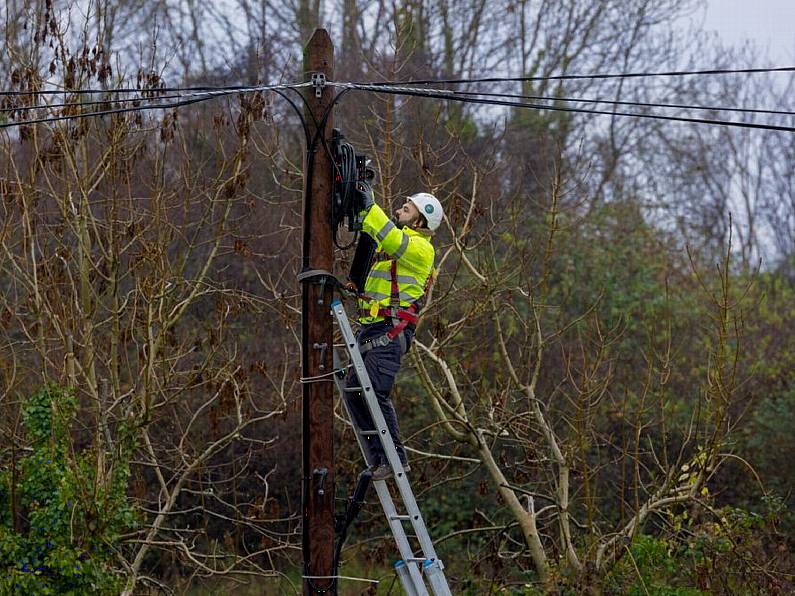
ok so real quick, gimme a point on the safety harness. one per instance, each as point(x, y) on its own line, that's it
point(401, 316)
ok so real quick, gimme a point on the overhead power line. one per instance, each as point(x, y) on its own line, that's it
point(453, 96)
point(82, 104)
point(194, 97)
point(230, 90)
point(626, 103)
point(104, 112)
point(241, 88)
point(151, 91)
point(625, 75)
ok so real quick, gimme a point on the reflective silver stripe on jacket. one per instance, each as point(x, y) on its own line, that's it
point(378, 296)
point(404, 244)
point(402, 279)
point(382, 233)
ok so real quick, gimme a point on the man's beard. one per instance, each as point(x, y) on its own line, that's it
point(400, 225)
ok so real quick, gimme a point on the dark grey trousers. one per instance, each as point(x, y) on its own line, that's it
point(382, 364)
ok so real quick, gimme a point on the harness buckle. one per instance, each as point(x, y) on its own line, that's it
point(384, 340)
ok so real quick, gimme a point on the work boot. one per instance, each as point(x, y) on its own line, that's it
point(384, 471)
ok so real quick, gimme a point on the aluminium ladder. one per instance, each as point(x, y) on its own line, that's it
point(408, 568)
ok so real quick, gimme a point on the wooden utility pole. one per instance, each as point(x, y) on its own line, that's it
point(318, 253)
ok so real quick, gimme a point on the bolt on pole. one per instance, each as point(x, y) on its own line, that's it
point(316, 327)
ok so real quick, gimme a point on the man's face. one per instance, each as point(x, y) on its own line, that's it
point(407, 215)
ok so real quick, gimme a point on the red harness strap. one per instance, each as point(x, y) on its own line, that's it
point(395, 300)
point(405, 316)
point(398, 327)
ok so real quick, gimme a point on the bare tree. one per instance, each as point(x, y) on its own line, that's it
point(118, 240)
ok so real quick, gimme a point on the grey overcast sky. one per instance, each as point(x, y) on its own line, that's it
point(771, 23)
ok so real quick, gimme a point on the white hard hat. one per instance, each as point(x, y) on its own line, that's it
point(430, 207)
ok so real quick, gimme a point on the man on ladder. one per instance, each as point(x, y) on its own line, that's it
point(393, 295)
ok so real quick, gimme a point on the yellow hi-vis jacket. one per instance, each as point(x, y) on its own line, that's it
point(414, 254)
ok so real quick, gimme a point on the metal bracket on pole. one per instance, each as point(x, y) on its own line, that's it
point(322, 277)
point(322, 347)
point(321, 473)
point(318, 82)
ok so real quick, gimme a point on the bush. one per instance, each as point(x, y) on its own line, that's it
point(718, 552)
point(61, 520)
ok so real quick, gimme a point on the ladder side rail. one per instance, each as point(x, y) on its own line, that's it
point(367, 388)
point(435, 576)
point(434, 567)
point(340, 383)
point(400, 536)
point(403, 572)
point(386, 439)
point(417, 521)
point(387, 504)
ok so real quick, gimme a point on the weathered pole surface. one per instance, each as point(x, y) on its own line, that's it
point(318, 410)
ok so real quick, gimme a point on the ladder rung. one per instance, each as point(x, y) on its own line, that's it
point(354, 389)
point(368, 433)
point(400, 517)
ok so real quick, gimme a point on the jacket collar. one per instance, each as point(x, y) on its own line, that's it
point(421, 233)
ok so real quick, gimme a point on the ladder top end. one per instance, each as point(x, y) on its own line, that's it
point(335, 302)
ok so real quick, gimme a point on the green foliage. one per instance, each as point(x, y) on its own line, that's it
point(619, 257)
point(770, 442)
point(770, 439)
point(650, 566)
point(725, 553)
point(461, 125)
point(766, 440)
point(59, 522)
point(714, 553)
point(542, 124)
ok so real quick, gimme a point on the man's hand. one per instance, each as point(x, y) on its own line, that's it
point(364, 196)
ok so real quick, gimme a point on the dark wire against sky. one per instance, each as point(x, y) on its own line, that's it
point(152, 98)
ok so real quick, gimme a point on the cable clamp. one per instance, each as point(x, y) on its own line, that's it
point(318, 82)
point(322, 277)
